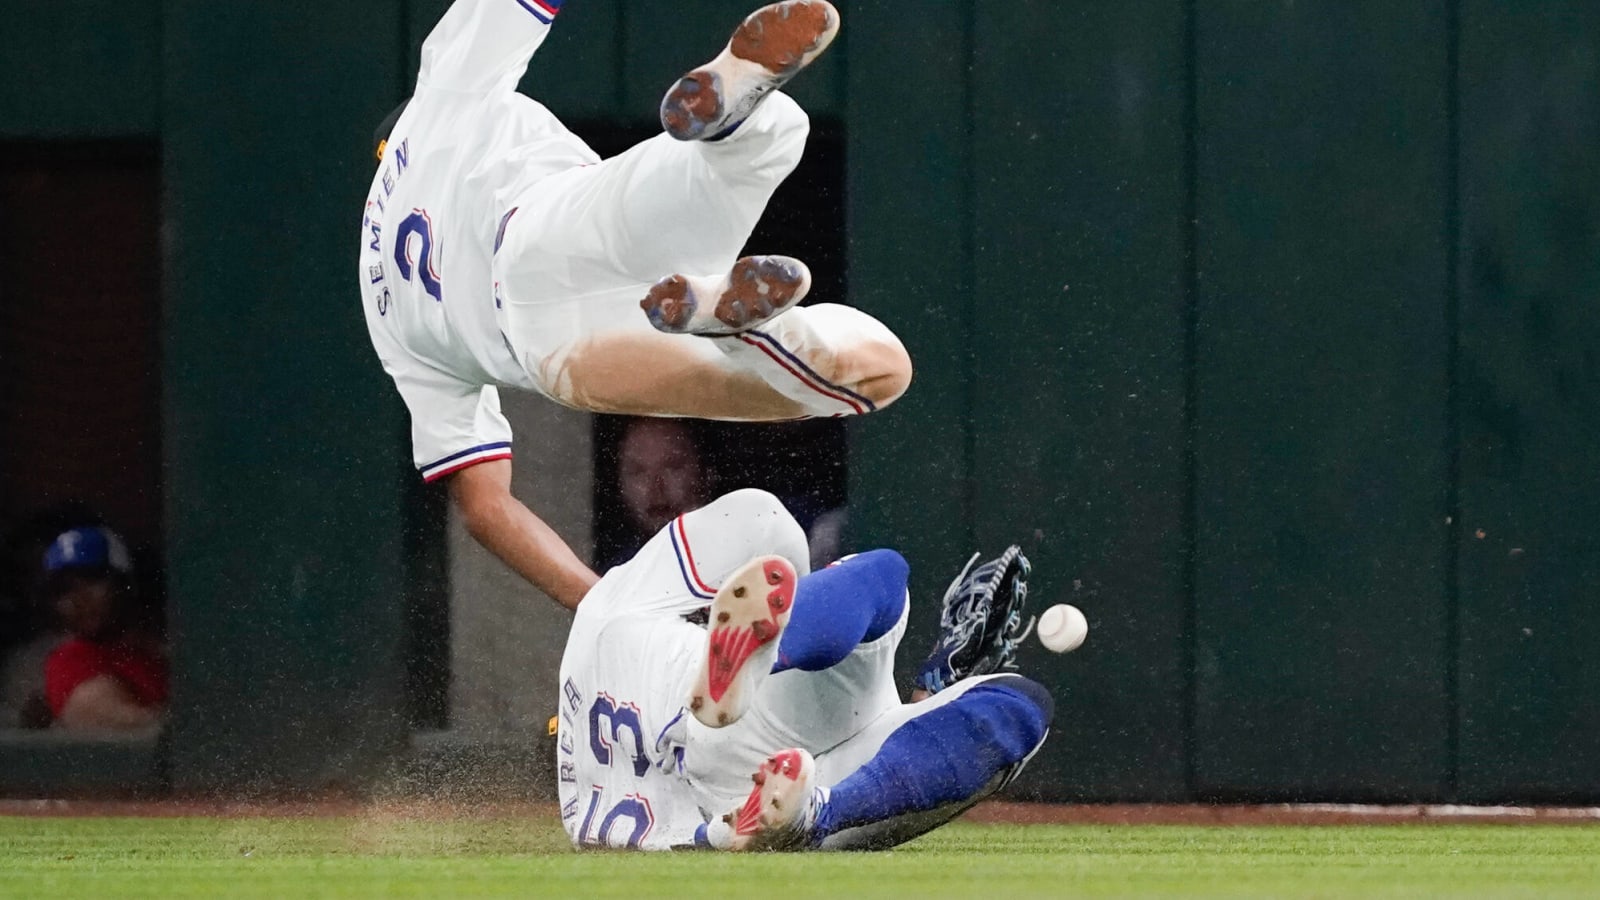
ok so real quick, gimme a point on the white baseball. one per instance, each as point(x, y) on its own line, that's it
point(1062, 628)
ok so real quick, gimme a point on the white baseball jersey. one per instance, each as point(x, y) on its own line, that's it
point(629, 666)
point(624, 677)
point(498, 250)
point(466, 143)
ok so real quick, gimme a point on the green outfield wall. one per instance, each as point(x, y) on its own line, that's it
point(1269, 330)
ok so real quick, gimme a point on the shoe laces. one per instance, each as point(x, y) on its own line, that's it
point(958, 602)
point(1012, 640)
point(1015, 631)
point(965, 610)
point(959, 633)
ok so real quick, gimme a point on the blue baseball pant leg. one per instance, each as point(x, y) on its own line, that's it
point(931, 761)
point(836, 609)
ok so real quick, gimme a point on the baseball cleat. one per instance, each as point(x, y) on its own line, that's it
point(756, 290)
point(768, 48)
point(748, 614)
point(782, 807)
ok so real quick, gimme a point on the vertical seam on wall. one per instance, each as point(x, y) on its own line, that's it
point(179, 713)
point(619, 76)
point(407, 77)
point(159, 14)
point(841, 90)
point(1452, 323)
point(1191, 323)
point(166, 265)
point(969, 273)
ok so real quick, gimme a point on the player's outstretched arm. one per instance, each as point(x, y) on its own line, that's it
point(512, 532)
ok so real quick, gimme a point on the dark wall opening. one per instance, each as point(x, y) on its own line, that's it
point(80, 362)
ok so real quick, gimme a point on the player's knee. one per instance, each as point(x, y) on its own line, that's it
point(880, 578)
point(889, 573)
point(787, 127)
point(789, 118)
point(1024, 710)
point(765, 521)
point(891, 368)
point(750, 504)
point(890, 566)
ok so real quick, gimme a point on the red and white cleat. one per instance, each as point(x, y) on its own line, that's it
point(781, 809)
point(766, 50)
point(748, 614)
point(756, 290)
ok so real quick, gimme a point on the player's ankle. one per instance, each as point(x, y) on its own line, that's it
point(822, 823)
point(716, 834)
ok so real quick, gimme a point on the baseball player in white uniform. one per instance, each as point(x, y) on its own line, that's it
point(665, 714)
point(497, 250)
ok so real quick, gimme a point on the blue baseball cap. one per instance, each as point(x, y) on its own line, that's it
point(88, 548)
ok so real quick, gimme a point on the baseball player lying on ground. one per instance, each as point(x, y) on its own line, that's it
point(497, 250)
point(712, 655)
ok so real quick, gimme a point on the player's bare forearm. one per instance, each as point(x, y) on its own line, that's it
point(501, 523)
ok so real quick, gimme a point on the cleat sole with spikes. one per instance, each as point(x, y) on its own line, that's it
point(755, 291)
point(768, 48)
point(778, 813)
point(748, 615)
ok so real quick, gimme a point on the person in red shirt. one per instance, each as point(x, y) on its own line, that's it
point(107, 674)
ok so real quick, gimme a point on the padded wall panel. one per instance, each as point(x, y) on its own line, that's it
point(80, 69)
point(1321, 427)
point(1079, 368)
point(1529, 391)
point(284, 474)
point(909, 158)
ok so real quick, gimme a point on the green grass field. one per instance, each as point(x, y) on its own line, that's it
point(400, 856)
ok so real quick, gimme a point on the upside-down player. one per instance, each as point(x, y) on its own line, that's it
point(497, 250)
point(789, 676)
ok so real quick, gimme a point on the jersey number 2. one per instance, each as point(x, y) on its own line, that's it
point(418, 225)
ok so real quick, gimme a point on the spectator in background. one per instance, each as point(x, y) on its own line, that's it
point(660, 476)
point(663, 472)
point(110, 673)
point(29, 632)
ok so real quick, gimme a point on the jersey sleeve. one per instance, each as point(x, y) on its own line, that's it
point(454, 424)
point(484, 45)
